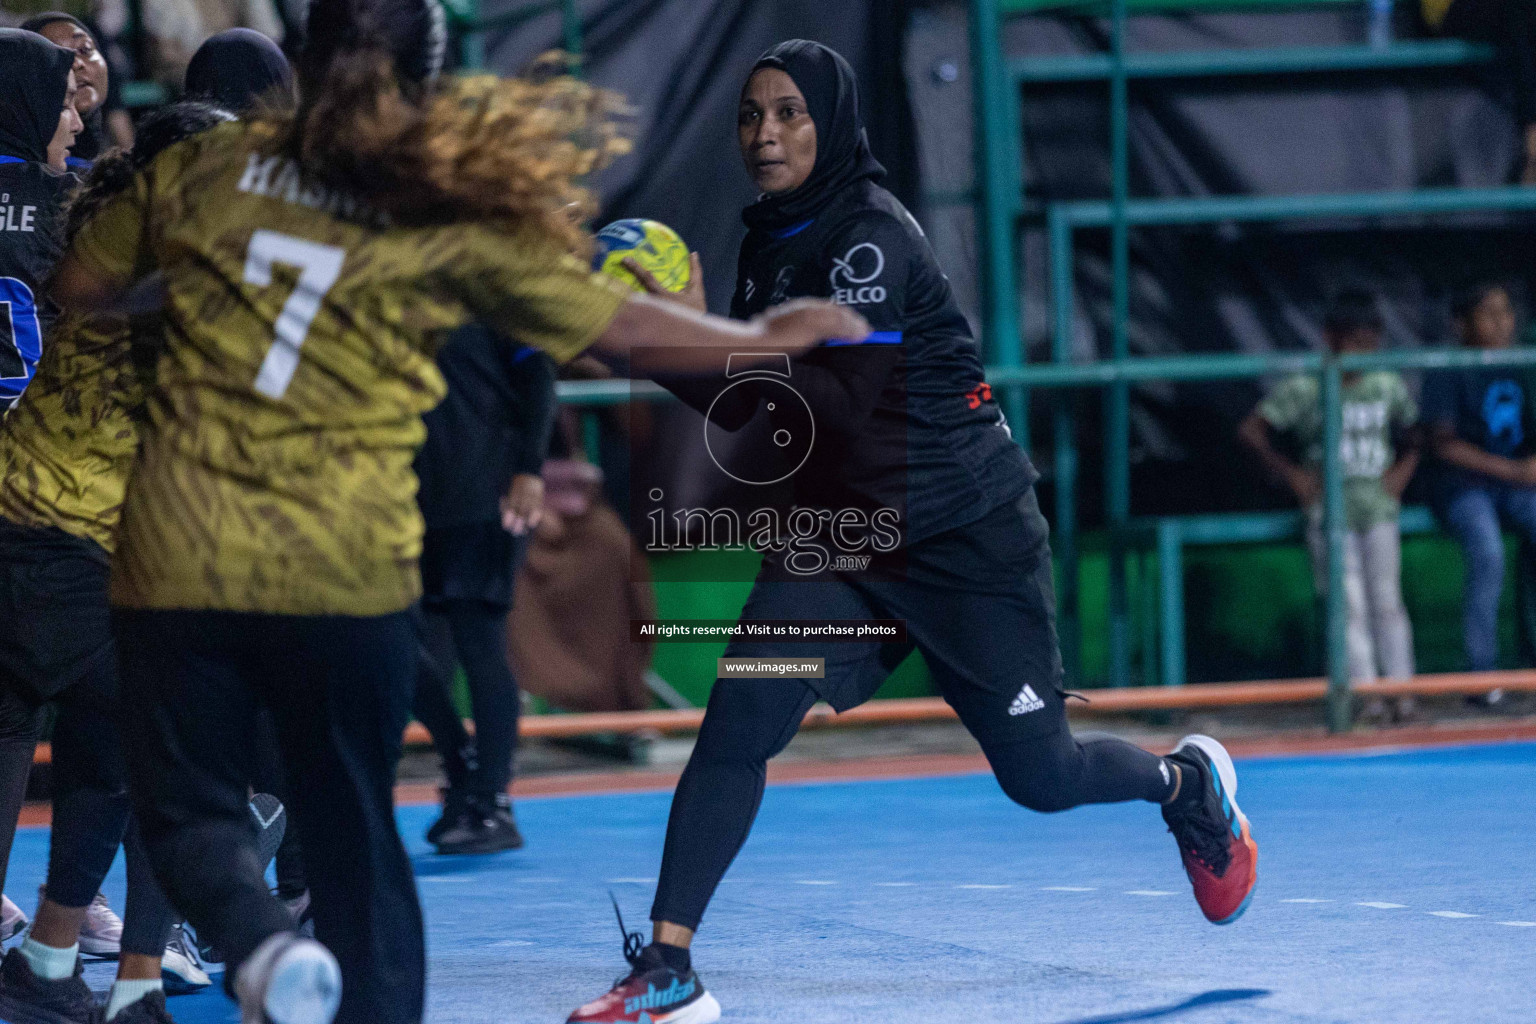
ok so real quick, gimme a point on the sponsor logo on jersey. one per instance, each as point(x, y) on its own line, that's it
point(1026, 701)
point(749, 291)
point(977, 395)
point(853, 277)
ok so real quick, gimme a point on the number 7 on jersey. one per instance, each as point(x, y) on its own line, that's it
point(319, 267)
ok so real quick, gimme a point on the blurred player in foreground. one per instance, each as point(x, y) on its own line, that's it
point(269, 539)
point(65, 452)
point(905, 424)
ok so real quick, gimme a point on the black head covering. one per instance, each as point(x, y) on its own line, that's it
point(831, 94)
point(34, 78)
point(89, 143)
point(415, 32)
point(233, 68)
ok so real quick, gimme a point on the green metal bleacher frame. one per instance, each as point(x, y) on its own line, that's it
point(999, 82)
point(464, 16)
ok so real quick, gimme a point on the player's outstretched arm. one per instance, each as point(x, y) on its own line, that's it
point(680, 340)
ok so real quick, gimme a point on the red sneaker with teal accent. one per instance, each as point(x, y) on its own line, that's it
point(651, 993)
point(1219, 853)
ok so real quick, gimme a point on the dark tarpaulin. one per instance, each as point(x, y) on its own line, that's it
point(1220, 288)
point(681, 65)
point(1257, 287)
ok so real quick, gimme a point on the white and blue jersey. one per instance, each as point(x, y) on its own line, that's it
point(31, 200)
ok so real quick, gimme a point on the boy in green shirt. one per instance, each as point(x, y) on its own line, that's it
point(1378, 456)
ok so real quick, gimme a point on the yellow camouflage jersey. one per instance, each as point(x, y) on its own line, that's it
point(67, 445)
point(274, 473)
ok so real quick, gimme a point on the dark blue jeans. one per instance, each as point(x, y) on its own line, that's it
point(1475, 514)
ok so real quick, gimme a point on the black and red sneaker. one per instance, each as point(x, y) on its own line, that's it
point(1219, 853)
point(651, 993)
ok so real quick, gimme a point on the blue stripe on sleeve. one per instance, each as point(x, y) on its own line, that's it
point(875, 338)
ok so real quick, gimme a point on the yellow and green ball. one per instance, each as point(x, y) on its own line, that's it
point(649, 243)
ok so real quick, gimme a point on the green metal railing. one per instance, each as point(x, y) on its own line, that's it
point(999, 143)
point(466, 17)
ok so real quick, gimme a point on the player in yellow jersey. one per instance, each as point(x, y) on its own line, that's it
point(65, 451)
point(268, 544)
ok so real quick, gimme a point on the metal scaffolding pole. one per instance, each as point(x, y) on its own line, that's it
point(1117, 407)
point(997, 143)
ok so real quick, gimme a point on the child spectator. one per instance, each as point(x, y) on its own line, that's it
point(1378, 458)
point(1481, 433)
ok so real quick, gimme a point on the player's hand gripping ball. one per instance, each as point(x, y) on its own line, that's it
point(650, 243)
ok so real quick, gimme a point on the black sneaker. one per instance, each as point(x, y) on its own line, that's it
point(149, 1010)
point(455, 807)
point(27, 999)
point(482, 830)
point(651, 992)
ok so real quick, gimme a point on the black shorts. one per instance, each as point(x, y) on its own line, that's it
point(471, 562)
point(55, 625)
point(978, 602)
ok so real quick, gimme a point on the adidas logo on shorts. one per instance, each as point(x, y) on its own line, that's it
point(1026, 702)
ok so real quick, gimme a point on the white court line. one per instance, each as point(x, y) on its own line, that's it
point(983, 887)
point(1383, 906)
point(1307, 899)
point(1068, 888)
point(895, 885)
point(1147, 892)
point(629, 881)
point(813, 881)
point(1450, 913)
point(1518, 924)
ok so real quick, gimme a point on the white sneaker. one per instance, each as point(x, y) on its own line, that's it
point(180, 968)
point(102, 933)
point(289, 980)
point(12, 920)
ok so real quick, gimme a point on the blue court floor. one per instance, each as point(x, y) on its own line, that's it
point(1392, 888)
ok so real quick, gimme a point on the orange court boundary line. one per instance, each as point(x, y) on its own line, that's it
point(937, 765)
point(1195, 696)
point(913, 766)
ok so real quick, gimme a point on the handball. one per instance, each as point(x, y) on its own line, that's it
point(649, 243)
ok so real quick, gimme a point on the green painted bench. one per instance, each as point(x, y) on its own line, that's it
point(1170, 535)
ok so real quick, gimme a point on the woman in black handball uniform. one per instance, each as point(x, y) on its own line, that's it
point(906, 423)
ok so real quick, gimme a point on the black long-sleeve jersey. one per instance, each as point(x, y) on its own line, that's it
point(904, 420)
point(31, 241)
point(494, 423)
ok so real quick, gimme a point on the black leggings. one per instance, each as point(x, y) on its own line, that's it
point(990, 644)
point(20, 722)
point(475, 634)
point(91, 810)
point(338, 689)
point(749, 721)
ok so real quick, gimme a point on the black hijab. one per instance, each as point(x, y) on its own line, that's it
point(34, 79)
point(92, 138)
point(233, 68)
point(831, 94)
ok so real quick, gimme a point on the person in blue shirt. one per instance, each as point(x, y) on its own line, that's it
point(1483, 437)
